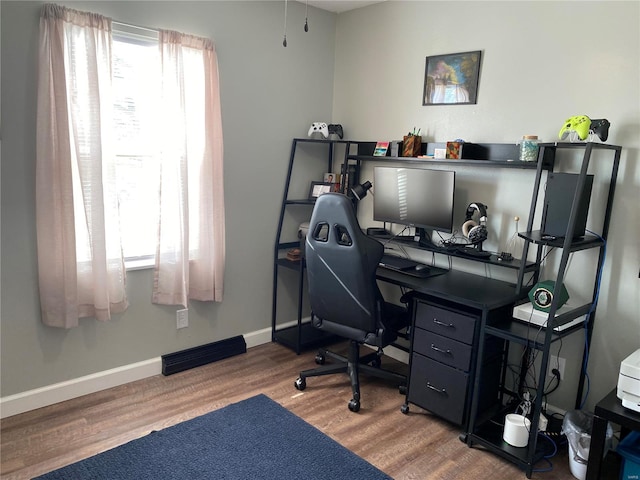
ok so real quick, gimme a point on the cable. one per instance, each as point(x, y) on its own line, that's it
point(542, 261)
point(547, 457)
point(284, 42)
point(556, 372)
point(553, 444)
point(452, 241)
point(396, 235)
point(556, 376)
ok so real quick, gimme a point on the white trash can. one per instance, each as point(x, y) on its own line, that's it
point(577, 426)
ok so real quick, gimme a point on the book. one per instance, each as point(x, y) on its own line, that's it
point(348, 178)
point(381, 149)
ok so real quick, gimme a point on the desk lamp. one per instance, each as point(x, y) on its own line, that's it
point(360, 191)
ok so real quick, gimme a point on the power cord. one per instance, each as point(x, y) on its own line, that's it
point(556, 377)
point(525, 405)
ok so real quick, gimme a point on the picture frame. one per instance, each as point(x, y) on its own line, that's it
point(452, 79)
point(318, 188)
point(381, 149)
point(331, 177)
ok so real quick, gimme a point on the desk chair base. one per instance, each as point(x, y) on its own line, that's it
point(351, 365)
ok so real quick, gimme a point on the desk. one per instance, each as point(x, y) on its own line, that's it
point(609, 409)
point(459, 287)
point(448, 312)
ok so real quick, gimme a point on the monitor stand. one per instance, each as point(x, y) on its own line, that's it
point(424, 238)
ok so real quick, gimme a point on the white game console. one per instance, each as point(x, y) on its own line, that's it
point(529, 315)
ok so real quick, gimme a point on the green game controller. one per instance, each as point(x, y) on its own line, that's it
point(579, 124)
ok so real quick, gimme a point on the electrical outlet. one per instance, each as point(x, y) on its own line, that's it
point(182, 318)
point(556, 362)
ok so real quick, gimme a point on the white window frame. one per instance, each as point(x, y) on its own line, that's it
point(144, 36)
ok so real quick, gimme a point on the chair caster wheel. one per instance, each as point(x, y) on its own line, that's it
point(402, 389)
point(354, 405)
point(300, 384)
point(376, 363)
point(404, 408)
point(320, 359)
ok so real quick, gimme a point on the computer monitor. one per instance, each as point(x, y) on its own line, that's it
point(415, 197)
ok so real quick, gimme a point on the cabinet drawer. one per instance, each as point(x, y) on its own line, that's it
point(438, 388)
point(445, 322)
point(446, 350)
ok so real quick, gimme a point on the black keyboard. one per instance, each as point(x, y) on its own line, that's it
point(409, 267)
point(393, 262)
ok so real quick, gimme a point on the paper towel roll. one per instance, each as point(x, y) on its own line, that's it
point(516, 430)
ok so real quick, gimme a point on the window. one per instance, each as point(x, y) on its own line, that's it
point(136, 91)
point(109, 165)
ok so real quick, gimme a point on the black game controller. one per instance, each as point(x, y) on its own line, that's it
point(601, 128)
point(505, 257)
point(336, 129)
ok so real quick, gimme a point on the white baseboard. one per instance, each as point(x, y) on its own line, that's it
point(59, 392)
point(553, 409)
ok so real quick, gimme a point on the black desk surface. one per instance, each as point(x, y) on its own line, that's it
point(610, 407)
point(456, 286)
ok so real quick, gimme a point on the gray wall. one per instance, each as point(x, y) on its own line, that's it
point(269, 95)
point(531, 80)
point(535, 73)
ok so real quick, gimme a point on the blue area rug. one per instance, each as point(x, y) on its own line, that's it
point(252, 439)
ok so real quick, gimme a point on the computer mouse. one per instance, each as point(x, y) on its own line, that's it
point(421, 266)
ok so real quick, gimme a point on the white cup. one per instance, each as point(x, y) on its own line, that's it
point(516, 430)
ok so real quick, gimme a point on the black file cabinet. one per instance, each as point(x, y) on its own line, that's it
point(442, 361)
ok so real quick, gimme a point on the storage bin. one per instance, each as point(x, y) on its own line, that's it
point(411, 145)
point(629, 450)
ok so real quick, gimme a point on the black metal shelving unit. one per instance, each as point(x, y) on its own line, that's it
point(490, 155)
point(481, 155)
point(476, 155)
point(302, 335)
point(485, 427)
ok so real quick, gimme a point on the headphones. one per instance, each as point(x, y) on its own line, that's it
point(475, 232)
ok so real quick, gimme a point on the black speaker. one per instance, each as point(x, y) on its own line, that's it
point(558, 199)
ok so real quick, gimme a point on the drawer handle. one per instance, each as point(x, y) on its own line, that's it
point(442, 324)
point(443, 391)
point(447, 352)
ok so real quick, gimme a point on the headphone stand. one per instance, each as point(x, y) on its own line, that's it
point(475, 251)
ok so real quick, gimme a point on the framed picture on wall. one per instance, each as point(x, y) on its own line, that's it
point(452, 79)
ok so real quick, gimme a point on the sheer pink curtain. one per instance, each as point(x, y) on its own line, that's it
point(191, 247)
point(80, 265)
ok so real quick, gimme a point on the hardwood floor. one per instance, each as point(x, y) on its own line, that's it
point(413, 446)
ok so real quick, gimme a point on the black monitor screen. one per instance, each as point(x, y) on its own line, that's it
point(414, 196)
